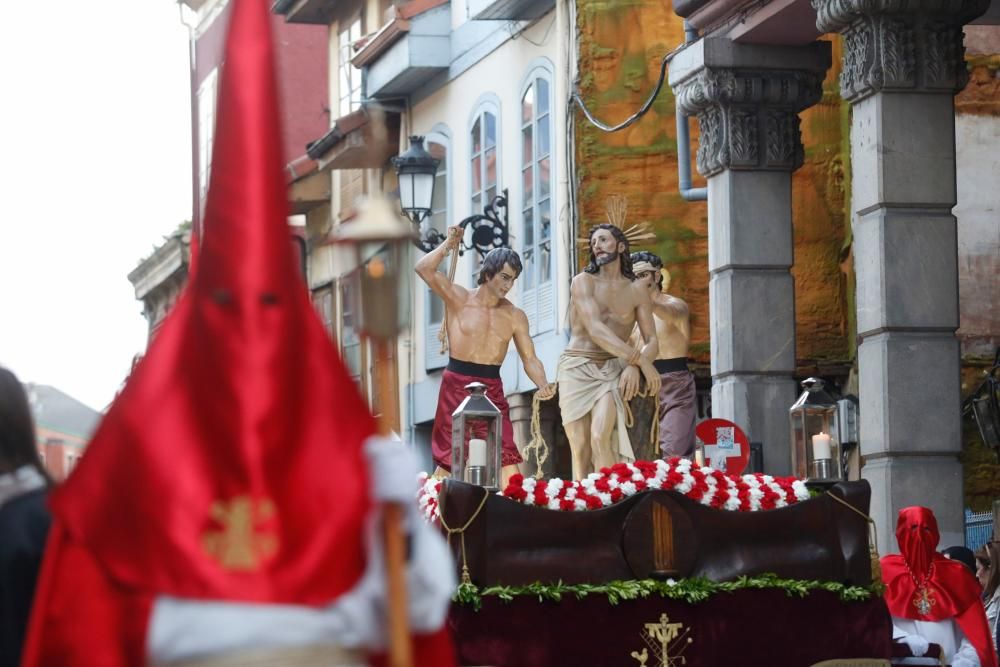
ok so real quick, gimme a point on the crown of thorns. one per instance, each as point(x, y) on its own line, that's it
point(617, 209)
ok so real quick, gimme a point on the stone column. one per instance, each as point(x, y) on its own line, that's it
point(903, 63)
point(747, 99)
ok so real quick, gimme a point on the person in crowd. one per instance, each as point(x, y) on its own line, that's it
point(963, 555)
point(988, 574)
point(24, 519)
point(934, 600)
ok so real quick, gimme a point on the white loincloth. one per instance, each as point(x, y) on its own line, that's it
point(582, 382)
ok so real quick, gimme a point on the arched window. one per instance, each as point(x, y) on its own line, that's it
point(484, 160)
point(537, 290)
point(437, 144)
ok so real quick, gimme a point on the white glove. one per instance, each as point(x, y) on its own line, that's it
point(918, 645)
point(392, 470)
point(966, 655)
point(430, 572)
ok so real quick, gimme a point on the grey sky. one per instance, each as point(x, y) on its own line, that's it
point(94, 171)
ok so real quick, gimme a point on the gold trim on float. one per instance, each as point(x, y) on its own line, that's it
point(665, 644)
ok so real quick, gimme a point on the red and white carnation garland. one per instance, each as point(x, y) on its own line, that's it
point(427, 496)
point(704, 484)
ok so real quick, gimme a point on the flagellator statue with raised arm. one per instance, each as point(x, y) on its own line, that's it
point(480, 323)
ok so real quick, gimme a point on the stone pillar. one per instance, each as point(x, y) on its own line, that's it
point(903, 63)
point(747, 99)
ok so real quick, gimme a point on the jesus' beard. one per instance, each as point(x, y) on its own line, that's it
point(607, 258)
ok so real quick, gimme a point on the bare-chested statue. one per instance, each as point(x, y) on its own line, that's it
point(678, 408)
point(480, 325)
point(605, 304)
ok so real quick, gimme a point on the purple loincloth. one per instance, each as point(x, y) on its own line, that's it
point(678, 407)
point(453, 392)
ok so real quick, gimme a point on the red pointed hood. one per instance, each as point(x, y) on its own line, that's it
point(230, 466)
point(917, 535)
point(923, 585)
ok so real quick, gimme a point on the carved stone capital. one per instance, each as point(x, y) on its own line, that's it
point(748, 118)
point(903, 45)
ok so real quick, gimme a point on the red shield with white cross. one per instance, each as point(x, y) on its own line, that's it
point(725, 445)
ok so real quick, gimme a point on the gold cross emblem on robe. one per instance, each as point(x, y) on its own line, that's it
point(239, 544)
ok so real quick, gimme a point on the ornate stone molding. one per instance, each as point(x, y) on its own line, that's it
point(904, 45)
point(748, 119)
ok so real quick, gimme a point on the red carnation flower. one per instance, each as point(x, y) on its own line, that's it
point(673, 479)
point(593, 502)
point(616, 495)
point(602, 485)
point(719, 499)
point(640, 485)
point(516, 479)
point(622, 470)
point(567, 505)
point(516, 493)
point(647, 468)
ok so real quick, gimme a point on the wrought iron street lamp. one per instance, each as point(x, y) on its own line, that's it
point(984, 404)
point(416, 170)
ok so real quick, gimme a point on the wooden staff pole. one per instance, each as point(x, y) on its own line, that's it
point(400, 653)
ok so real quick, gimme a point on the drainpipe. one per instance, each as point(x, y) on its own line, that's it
point(687, 192)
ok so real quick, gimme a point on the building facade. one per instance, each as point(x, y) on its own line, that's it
point(63, 426)
point(483, 85)
point(816, 249)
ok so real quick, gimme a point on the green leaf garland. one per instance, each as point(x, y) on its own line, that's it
point(691, 590)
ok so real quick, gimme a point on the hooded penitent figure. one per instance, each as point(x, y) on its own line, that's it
point(933, 599)
point(224, 502)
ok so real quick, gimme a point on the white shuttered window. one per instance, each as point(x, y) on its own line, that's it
point(537, 289)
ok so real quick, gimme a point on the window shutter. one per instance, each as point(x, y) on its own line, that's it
point(433, 358)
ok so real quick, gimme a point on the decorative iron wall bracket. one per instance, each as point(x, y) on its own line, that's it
point(489, 229)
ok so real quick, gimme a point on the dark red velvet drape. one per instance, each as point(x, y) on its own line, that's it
point(745, 628)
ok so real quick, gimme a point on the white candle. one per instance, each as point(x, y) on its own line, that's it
point(477, 452)
point(699, 456)
point(821, 446)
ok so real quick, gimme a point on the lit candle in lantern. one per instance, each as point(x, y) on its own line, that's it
point(699, 456)
point(477, 452)
point(821, 446)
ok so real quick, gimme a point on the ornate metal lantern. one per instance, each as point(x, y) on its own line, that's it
point(416, 169)
point(984, 404)
point(815, 448)
point(379, 286)
point(477, 439)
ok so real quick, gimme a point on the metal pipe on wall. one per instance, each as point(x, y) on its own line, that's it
point(687, 192)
